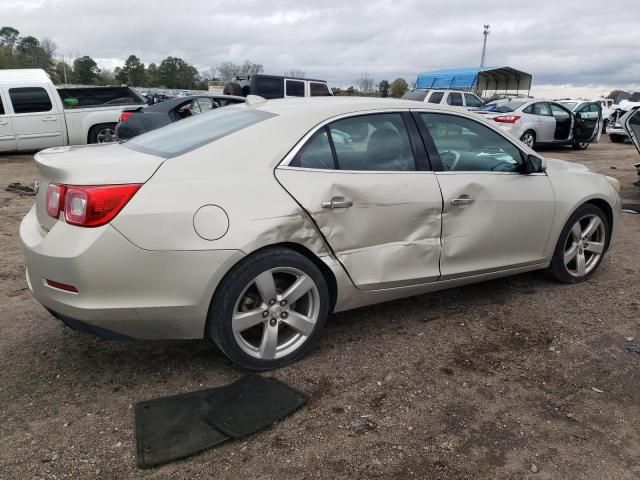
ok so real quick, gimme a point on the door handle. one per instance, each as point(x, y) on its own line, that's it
point(463, 200)
point(3, 122)
point(337, 204)
point(50, 119)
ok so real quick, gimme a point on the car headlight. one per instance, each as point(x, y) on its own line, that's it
point(614, 183)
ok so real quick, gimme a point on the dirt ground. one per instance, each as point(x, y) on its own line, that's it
point(511, 379)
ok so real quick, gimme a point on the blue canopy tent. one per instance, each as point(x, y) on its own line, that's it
point(477, 79)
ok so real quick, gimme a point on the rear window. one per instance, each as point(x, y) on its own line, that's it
point(294, 88)
point(503, 106)
point(81, 97)
point(30, 100)
point(436, 97)
point(186, 135)
point(418, 95)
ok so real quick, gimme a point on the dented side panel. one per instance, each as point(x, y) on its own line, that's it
point(507, 223)
point(389, 236)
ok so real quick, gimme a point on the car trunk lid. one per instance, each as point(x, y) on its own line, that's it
point(89, 165)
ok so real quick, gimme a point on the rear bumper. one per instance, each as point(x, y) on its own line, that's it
point(621, 132)
point(121, 288)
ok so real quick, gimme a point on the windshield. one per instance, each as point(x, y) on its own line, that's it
point(193, 132)
point(503, 106)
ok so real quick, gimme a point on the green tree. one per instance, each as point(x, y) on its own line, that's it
point(85, 70)
point(29, 54)
point(153, 76)
point(9, 39)
point(132, 72)
point(399, 87)
point(176, 73)
point(383, 88)
point(63, 72)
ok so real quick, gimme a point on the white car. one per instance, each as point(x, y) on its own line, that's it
point(34, 114)
point(249, 224)
point(539, 122)
point(453, 98)
point(580, 105)
point(616, 129)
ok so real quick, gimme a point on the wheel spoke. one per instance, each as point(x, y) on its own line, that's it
point(269, 342)
point(244, 320)
point(580, 264)
point(296, 291)
point(266, 287)
point(594, 224)
point(300, 323)
point(577, 231)
point(595, 247)
point(570, 254)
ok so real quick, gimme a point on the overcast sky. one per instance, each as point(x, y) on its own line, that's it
point(570, 46)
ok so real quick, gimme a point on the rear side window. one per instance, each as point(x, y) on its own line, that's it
point(316, 153)
point(294, 88)
point(30, 100)
point(472, 100)
point(455, 99)
point(319, 89)
point(186, 135)
point(436, 97)
point(417, 95)
point(269, 87)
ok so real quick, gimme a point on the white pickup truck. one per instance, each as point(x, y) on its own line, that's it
point(34, 114)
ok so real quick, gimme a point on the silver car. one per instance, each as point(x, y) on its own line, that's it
point(250, 224)
point(539, 122)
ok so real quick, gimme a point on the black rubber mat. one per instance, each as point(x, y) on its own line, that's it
point(252, 403)
point(174, 427)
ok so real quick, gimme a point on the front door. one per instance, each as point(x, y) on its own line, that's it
point(7, 138)
point(37, 123)
point(632, 125)
point(494, 217)
point(363, 180)
point(588, 121)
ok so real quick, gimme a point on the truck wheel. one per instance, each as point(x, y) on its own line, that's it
point(616, 138)
point(103, 133)
point(232, 88)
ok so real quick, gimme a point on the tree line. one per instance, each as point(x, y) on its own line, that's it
point(18, 51)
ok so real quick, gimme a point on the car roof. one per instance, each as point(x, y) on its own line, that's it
point(172, 103)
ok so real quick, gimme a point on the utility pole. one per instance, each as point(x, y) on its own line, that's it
point(64, 69)
point(485, 33)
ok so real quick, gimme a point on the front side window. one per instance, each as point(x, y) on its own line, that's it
point(436, 97)
point(466, 145)
point(30, 100)
point(455, 99)
point(294, 88)
point(196, 131)
point(472, 100)
point(589, 111)
point(319, 89)
point(205, 104)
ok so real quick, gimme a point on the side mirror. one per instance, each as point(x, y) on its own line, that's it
point(533, 164)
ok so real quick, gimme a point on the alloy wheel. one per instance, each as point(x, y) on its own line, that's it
point(528, 139)
point(276, 313)
point(106, 135)
point(584, 245)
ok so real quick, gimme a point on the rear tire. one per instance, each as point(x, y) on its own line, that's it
point(269, 309)
point(581, 246)
point(103, 133)
point(616, 138)
point(232, 88)
point(529, 138)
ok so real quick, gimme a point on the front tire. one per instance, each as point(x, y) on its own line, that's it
point(581, 246)
point(269, 310)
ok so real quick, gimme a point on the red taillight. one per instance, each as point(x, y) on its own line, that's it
point(124, 116)
point(55, 199)
point(506, 118)
point(90, 206)
point(96, 205)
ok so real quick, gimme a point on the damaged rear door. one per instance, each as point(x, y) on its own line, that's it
point(495, 217)
point(366, 182)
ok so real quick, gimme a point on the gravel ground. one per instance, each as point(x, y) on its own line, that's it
point(514, 378)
